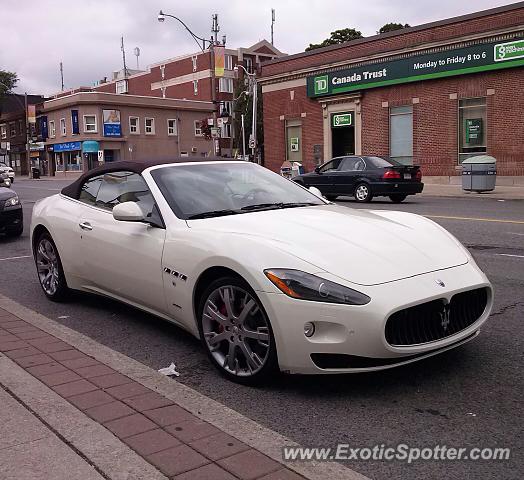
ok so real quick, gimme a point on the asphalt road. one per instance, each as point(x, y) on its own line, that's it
point(469, 397)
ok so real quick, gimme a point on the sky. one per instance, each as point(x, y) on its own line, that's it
point(36, 35)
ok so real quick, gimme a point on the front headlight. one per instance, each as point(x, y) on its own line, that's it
point(304, 286)
point(11, 202)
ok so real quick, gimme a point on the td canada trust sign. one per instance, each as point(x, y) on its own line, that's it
point(455, 61)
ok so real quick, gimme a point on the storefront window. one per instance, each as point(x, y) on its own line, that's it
point(472, 127)
point(401, 134)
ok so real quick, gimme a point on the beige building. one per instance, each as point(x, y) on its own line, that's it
point(85, 129)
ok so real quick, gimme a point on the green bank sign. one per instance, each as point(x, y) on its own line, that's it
point(458, 61)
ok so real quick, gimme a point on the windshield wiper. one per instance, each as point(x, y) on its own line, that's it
point(270, 206)
point(213, 213)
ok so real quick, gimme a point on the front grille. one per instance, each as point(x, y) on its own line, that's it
point(437, 319)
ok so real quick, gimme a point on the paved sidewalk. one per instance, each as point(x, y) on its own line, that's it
point(66, 414)
point(500, 193)
point(170, 438)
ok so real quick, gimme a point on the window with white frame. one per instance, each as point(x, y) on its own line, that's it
point(249, 64)
point(195, 87)
point(228, 62)
point(134, 125)
point(12, 129)
point(3, 131)
point(198, 128)
point(225, 130)
point(225, 85)
point(63, 130)
point(171, 127)
point(150, 126)
point(121, 86)
point(52, 129)
point(401, 134)
point(226, 106)
point(90, 124)
point(194, 60)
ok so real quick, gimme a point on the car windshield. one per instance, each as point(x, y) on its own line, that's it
point(383, 162)
point(203, 190)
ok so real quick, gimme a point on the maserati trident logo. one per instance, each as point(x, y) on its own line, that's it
point(438, 281)
point(445, 317)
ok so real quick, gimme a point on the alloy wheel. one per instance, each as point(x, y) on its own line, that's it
point(361, 193)
point(47, 266)
point(236, 331)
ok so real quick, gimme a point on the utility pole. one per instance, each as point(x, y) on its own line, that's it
point(62, 75)
point(272, 23)
point(214, 35)
point(243, 139)
point(28, 150)
point(123, 55)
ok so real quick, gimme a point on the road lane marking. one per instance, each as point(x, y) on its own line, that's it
point(14, 258)
point(475, 219)
point(515, 233)
point(509, 255)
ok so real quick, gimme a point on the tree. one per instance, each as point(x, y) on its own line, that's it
point(391, 27)
point(338, 36)
point(8, 81)
point(205, 128)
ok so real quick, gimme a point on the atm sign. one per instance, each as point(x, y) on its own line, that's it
point(342, 119)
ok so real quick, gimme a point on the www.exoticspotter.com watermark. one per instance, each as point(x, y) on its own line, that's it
point(401, 453)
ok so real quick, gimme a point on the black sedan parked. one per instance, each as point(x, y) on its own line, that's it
point(11, 216)
point(364, 177)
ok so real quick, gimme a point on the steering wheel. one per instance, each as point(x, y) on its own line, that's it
point(252, 194)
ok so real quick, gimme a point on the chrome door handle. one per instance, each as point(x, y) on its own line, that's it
point(85, 226)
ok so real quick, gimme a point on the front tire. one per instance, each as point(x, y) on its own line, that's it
point(363, 193)
point(49, 268)
point(236, 332)
point(397, 198)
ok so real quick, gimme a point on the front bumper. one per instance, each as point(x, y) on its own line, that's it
point(358, 331)
point(11, 218)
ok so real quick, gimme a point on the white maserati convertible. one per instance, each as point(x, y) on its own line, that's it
point(266, 273)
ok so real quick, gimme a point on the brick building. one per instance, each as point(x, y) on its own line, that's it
point(432, 95)
point(82, 129)
point(189, 77)
point(14, 132)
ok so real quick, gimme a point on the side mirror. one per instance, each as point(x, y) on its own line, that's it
point(128, 212)
point(317, 169)
point(315, 191)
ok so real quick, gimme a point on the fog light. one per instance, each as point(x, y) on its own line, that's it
point(309, 329)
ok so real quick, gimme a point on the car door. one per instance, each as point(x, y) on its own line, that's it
point(348, 175)
point(123, 259)
point(324, 179)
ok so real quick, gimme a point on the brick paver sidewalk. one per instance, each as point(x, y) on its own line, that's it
point(175, 441)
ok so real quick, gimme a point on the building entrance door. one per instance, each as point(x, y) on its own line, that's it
point(342, 134)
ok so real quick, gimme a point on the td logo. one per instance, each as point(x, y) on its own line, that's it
point(321, 84)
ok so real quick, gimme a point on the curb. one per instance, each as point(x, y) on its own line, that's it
point(229, 421)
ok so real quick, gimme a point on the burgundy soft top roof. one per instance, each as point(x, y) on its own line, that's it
point(73, 190)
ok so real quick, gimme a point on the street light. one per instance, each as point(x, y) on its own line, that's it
point(254, 94)
point(212, 42)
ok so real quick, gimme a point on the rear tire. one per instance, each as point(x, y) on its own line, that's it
point(397, 198)
point(236, 332)
point(331, 198)
point(49, 269)
point(363, 193)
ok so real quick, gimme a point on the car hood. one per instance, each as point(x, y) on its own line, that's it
point(6, 193)
point(360, 246)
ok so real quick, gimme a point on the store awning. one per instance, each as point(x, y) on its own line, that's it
point(90, 146)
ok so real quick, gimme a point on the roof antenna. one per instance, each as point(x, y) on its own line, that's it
point(272, 23)
point(62, 75)
point(126, 73)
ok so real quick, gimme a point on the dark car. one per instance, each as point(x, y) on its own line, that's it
point(11, 216)
point(364, 177)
